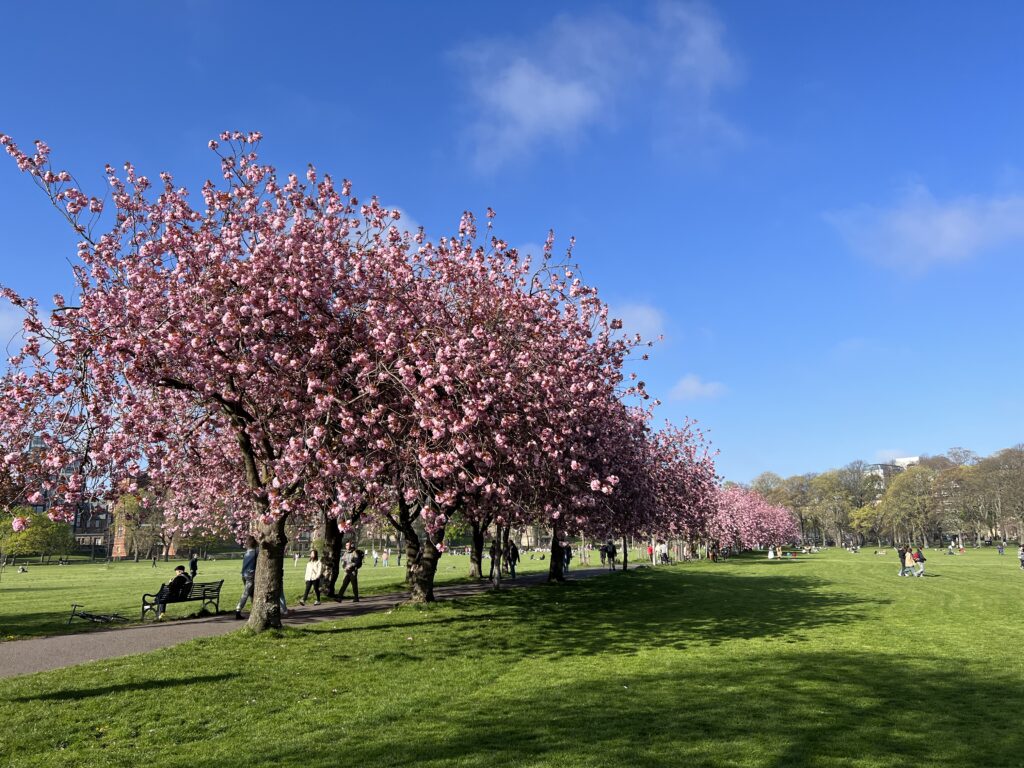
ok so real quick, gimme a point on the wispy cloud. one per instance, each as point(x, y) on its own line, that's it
point(693, 387)
point(578, 73)
point(920, 232)
point(645, 319)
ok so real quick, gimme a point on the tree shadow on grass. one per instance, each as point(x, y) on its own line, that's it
point(786, 710)
point(65, 694)
point(630, 612)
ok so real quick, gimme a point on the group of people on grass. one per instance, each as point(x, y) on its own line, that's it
point(658, 553)
point(509, 558)
point(912, 561)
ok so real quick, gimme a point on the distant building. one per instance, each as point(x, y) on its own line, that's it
point(888, 470)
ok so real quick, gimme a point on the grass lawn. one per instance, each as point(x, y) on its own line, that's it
point(829, 660)
point(38, 602)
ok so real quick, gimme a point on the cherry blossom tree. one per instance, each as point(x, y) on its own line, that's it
point(744, 519)
point(213, 346)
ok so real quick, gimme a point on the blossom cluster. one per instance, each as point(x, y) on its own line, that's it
point(280, 348)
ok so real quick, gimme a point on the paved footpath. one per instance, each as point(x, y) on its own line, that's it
point(23, 657)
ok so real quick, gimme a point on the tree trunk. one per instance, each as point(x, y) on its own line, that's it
point(420, 556)
point(499, 552)
point(625, 554)
point(331, 556)
point(421, 566)
point(269, 583)
point(556, 566)
point(476, 551)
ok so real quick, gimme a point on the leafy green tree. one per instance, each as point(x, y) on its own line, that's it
point(832, 503)
point(910, 503)
point(42, 536)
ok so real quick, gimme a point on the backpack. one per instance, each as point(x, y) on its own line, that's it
point(360, 554)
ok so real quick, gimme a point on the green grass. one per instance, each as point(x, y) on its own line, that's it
point(38, 602)
point(829, 660)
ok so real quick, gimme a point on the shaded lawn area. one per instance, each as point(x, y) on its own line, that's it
point(39, 602)
point(826, 661)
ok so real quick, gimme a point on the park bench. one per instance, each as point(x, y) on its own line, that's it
point(98, 618)
point(208, 593)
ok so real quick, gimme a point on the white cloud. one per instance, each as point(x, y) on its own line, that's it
point(406, 223)
point(578, 72)
point(533, 249)
point(920, 232)
point(645, 319)
point(692, 387)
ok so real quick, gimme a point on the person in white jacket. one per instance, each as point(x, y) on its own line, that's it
point(314, 570)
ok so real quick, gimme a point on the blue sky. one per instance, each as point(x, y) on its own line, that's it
point(820, 205)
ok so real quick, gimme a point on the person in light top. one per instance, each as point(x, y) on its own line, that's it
point(314, 570)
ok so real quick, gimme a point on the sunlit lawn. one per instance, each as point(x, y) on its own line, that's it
point(829, 660)
point(39, 602)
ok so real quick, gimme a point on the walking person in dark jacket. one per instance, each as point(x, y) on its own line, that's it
point(193, 566)
point(350, 563)
point(248, 573)
point(512, 556)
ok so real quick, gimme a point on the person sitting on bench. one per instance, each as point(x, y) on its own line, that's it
point(177, 588)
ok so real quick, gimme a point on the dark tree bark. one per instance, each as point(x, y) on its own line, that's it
point(556, 568)
point(332, 556)
point(266, 594)
point(421, 555)
point(499, 553)
point(625, 554)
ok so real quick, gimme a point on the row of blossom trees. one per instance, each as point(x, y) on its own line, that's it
point(278, 350)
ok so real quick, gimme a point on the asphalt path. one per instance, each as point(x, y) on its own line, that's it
point(25, 657)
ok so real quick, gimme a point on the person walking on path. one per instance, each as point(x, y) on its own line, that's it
point(610, 553)
point(384, 558)
point(567, 551)
point(902, 553)
point(248, 573)
point(919, 561)
point(513, 558)
point(177, 588)
point(350, 563)
point(376, 557)
point(314, 570)
point(193, 566)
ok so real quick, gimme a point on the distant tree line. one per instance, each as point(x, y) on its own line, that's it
point(959, 494)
